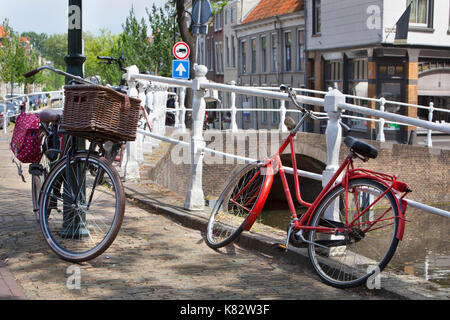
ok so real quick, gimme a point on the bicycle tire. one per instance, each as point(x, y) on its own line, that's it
point(226, 221)
point(78, 225)
point(368, 248)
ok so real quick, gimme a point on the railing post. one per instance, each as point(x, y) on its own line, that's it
point(333, 135)
point(282, 127)
point(380, 136)
point(430, 118)
point(233, 124)
point(177, 112)
point(183, 109)
point(5, 117)
point(333, 132)
point(194, 199)
point(130, 166)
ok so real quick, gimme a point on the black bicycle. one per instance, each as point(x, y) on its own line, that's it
point(77, 193)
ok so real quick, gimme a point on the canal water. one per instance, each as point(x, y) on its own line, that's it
point(424, 251)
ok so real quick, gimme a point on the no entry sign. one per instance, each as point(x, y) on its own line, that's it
point(181, 50)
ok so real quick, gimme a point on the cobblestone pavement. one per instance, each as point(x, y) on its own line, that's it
point(153, 257)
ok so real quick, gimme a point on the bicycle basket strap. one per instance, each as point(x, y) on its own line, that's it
point(126, 104)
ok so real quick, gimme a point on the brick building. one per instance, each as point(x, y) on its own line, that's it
point(271, 43)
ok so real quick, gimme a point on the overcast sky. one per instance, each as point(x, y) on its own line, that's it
point(50, 16)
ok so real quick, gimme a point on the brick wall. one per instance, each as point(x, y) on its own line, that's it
point(426, 170)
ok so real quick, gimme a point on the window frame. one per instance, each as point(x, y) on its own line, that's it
point(316, 17)
point(287, 51)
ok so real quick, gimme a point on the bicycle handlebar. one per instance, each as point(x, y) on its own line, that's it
point(77, 78)
point(109, 60)
point(292, 95)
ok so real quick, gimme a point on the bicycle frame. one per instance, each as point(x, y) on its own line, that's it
point(349, 173)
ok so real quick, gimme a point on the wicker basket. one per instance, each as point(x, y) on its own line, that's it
point(97, 112)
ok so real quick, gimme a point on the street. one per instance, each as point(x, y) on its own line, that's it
point(153, 257)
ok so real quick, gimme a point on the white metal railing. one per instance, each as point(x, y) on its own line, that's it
point(333, 102)
point(381, 122)
point(54, 95)
point(153, 92)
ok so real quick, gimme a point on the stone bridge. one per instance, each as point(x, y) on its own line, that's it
point(426, 170)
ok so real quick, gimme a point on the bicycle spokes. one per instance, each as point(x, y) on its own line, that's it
point(369, 239)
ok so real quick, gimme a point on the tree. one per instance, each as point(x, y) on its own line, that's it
point(134, 42)
point(163, 30)
point(37, 40)
point(185, 29)
point(104, 45)
point(15, 57)
point(54, 48)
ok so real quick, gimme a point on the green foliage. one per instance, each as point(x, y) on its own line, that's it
point(54, 49)
point(164, 36)
point(15, 57)
point(104, 45)
point(134, 43)
point(37, 40)
point(146, 43)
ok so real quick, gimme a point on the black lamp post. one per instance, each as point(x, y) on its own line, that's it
point(72, 226)
point(75, 58)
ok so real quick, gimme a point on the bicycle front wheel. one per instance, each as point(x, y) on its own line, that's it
point(234, 206)
point(349, 258)
point(82, 207)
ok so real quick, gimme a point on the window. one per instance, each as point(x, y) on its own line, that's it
point(221, 56)
point(334, 73)
point(218, 22)
point(253, 56)
point(218, 58)
point(287, 51)
point(264, 113)
point(243, 57)
point(274, 48)
point(358, 69)
point(300, 49)
point(233, 15)
point(233, 53)
point(420, 11)
point(275, 114)
point(227, 13)
point(211, 53)
point(263, 54)
point(316, 17)
point(227, 53)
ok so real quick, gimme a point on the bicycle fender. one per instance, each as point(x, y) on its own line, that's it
point(261, 198)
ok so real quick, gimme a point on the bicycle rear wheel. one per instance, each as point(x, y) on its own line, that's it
point(350, 258)
point(80, 213)
point(234, 206)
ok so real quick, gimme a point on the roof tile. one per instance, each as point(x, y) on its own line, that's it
point(271, 8)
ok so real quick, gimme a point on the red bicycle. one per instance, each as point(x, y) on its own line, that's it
point(352, 228)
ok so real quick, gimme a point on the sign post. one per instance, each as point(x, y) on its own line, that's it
point(201, 12)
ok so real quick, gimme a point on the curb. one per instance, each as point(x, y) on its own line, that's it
point(404, 287)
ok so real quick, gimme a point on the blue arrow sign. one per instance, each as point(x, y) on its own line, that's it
point(180, 69)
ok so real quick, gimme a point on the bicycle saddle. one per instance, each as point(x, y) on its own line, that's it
point(50, 115)
point(360, 147)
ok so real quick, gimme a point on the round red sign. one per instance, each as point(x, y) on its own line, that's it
point(181, 50)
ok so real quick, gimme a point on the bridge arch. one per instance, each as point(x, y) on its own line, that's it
point(276, 211)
